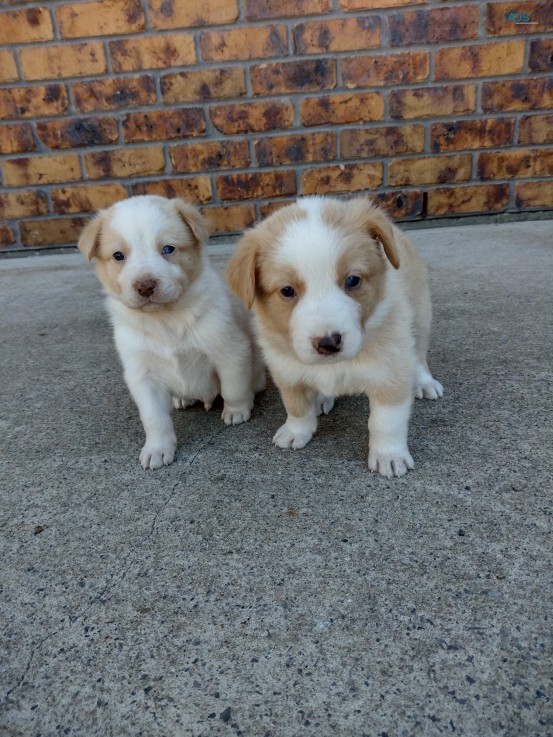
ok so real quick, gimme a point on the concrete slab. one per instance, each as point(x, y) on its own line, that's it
point(246, 590)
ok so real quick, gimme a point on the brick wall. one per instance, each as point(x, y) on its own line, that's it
point(437, 107)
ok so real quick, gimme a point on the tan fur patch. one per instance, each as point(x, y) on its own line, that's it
point(298, 400)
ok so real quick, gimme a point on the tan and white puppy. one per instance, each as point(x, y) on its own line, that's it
point(342, 306)
point(179, 332)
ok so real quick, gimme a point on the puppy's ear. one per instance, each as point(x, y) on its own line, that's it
point(193, 219)
point(89, 240)
point(241, 268)
point(380, 227)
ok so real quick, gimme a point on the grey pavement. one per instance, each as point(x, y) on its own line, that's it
point(247, 590)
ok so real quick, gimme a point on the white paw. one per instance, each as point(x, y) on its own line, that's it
point(429, 389)
point(158, 453)
point(182, 402)
point(236, 415)
point(390, 463)
point(324, 404)
point(288, 437)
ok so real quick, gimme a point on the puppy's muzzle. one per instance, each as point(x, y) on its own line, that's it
point(328, 345)
point(146, 288)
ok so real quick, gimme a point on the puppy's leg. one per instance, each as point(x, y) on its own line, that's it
point(388, 425)
point(235, 375)
point(426, 387)
point(154, 405)
point(302, 405)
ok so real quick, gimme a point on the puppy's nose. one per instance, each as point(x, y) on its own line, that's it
point(328, 344)
point(145, 288)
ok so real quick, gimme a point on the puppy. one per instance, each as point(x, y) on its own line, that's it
point(342, 306)
point(180, 334)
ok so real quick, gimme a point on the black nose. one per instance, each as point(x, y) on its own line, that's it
point(145, 288)
point(328, 344)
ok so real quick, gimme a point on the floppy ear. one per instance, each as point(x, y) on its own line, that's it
point(193, 219)
point(241, 268)
point(380, 227)
point(89, 240)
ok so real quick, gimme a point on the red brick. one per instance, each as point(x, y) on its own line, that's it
point(342, 178)
point(102, 18)
point(365, 143)
point(209, 156)
point(338, 34)
point(78, 132)
point(541, 18)
point(433, 26)
point(8, 68)
point(348, 5)
point(536, 129)
point(463, 200)
point(256, 184)
point(472, 134)
point(164, 125)
point(205, 84)
point(42, 170)
point(295, 149)
point(432, 102)
point(264, 9)
point(386, 69)
point(25, 26)
point(230, 218)
point(195, 189)
point(152, 52)
point(22, 204)
point(534, 195)
point(483, 60)
point(31, 102)
point(68, 60)
point(109, 94)
point(86, 198)
point(124, 163)
point(7, 236)
point(240, 44)
point(269, 207)
point(515, 164)
point(429, 170)
point(16, 138)
point(519, 94)
point(256, 116)
point(344, 108)
point(51, 232)
point(541, 55)
point(401, 205)
point(166, 14)
point(307, 75)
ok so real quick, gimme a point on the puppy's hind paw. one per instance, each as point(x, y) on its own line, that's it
point(236, 415)
point(390, 464)
point(324, 404)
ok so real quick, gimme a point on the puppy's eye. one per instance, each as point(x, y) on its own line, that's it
point(119, 256)
point(288, 292)
point(352, 282)
point(166, 250)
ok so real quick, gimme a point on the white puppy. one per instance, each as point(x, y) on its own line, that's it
point(180, 334)
point(342, 306)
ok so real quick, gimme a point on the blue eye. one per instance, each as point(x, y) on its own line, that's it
point(352, 282)
point(288, 292)
point(119, 256)
point(167, 250)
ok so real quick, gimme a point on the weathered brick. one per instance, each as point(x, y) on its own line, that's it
point(401, 205)
point(164, 125)
point(31, 102)
point(295, 149)
point(386, 69)
point(123, 163)
point(429, 170)
point(342, 178)
point(536, 129)
point(69, 60)
point(499, 23)
point(307, 75)
point(349, 5)
point(472, 134)
point(430, 102)
point(255, 116)
point(462, 200)
point(103, 18)
point(365, 143)
point(109, 94)
point(7, 236)
point(42, 170)
point(541, 55)
point(268, 208)
point(152, 52)
point(432, 26)
point(22, 204)
point(16, 138)
point(344, 108)
point(86, 198)
point(250, 42)
point(51, 232)
point(338, 34)
point(202, 85)
point(78, 132)
point(230, 218)
point(25, 26)
point(256, 184)
point(483, 60)
point(534, 194)
point(195, 189)
point(518, 94)
point(8, 68)
point(264, 9)
point(166, 14)
point(515, 164)
point(209, 156)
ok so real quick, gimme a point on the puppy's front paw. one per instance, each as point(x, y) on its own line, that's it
point(390, 463)
point(324, 404)
point(236, 415)
point(158, 453)
point(292, 437)
point(182, 402)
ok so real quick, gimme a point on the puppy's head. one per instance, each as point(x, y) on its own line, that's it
point(315, 274)
point(146, 249)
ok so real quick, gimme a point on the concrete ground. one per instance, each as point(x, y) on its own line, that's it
point(247, 590)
